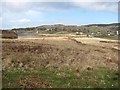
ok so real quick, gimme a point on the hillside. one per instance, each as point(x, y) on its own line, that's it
point(96, 30)
point(52, 62)
point(58, 57)
point(70, 28)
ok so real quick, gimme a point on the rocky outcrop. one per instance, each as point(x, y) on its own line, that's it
point(8, 34)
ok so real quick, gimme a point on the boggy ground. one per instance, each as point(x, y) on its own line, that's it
point(63, 62)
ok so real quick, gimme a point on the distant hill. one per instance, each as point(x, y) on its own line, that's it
point(102, 28)
point(103, 25)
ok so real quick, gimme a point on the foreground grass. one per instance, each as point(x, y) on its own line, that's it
point(65, 78)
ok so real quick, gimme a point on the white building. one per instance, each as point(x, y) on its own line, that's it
point(117, 33)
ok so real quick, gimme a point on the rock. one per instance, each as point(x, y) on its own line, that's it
point(89, 68)
point(21, 64)
point(77, 72)
point(9, 34)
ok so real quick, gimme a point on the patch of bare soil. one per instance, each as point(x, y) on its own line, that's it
point(33, 82)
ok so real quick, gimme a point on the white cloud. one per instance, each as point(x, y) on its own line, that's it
point(61, 0)
point(22, 12)
point(98, 6)
point(24, 20)
point(15, 6)
point(25, 5)
point(95, 0)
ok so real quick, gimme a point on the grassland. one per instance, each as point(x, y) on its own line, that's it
point(60, 62)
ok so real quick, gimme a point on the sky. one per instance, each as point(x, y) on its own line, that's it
point(30, 13)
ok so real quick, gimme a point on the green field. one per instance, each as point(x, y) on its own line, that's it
point(65, 78)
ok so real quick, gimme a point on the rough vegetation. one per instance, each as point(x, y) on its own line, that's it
point(58, 63)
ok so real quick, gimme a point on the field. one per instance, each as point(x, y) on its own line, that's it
point(60, 62)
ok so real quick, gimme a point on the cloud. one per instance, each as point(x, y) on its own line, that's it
point(15, 12)
point(61, 0)
point(24, 20)
point(17, 6)
point(98, 6)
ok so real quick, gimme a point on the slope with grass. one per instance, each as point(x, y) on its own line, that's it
point(58, 62)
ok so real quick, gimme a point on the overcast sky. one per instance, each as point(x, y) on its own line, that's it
point(28, 13)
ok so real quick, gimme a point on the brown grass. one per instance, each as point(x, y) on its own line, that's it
point(57, 53)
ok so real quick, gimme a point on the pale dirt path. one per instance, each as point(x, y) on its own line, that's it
point(97, 42)
point(89, 41)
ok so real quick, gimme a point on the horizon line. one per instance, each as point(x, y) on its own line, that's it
point(58, 24)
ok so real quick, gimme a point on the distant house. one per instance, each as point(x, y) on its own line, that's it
point(92, 33)
point(81, 33)
point(77, 33)
point(110, 34)
point(98, 32)
point(117, 32)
